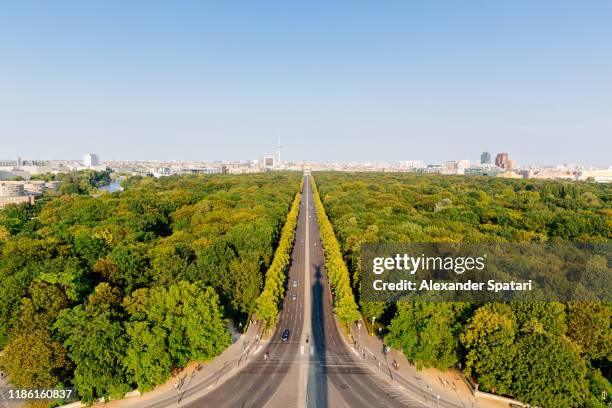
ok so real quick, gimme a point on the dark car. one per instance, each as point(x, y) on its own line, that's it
point(285, 335)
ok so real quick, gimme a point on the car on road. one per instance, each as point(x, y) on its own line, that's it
point(295, 283)
point(294, 297)
point(285, 335)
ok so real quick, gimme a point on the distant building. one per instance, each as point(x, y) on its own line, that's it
point(485, 158)
point(9, 163)
point(555, 174)
point(267, 162)
point(511, 164)
point(412, 164)
point(434, 168)
point(91, 160)
point(160, 171)
point(450, 167)
point(486, 170)
point(35, 187)
point(204, 170)
point(600, 176)
point(9, 169)
point(11, 189)
point(501, 160)
point(212, 170)
point(462, 165)
point(4, 201)
point(13, 192)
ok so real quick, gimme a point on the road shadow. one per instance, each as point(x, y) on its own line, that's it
point(317, 391)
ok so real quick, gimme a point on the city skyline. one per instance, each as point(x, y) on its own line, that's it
point(478, 160)
point(338, 82)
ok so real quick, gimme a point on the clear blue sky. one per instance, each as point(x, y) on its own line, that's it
point(340, 81)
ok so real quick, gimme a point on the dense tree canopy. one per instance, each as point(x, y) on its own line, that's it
point(111, 291)
point(267, 302)
point(168, 327)
point(428, 332)
point(547, 354)
point(339, 279)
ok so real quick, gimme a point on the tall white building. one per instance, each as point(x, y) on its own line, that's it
point(91, 160)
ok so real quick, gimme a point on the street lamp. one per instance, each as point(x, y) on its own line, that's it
point(177, 387)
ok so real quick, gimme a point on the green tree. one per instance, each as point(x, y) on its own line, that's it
point(187, 320)
point(540, 317)
point(68, 274)
point(125, 267)
point(428, 333)
point(489, 340)
point(95, 339)
point(246, 284)
point(601, 390)
point(89, 247)
point(147, 362)
point(39, 310)
point(589, 327)
point(549, 372)
point(33, 359)
point(267, 309)
point(274, 289)
point(373, 309)
point(14, 217)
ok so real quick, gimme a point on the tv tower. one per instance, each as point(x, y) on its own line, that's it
point(278, 149)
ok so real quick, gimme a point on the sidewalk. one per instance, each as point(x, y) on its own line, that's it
point(200, 377)
point(436, 388)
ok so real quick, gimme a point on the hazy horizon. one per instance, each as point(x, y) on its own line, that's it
point(339, 82)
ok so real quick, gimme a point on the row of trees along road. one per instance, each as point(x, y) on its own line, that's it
point(113, 292)
point(274, 286)
point(546, 354)
point(339, 280)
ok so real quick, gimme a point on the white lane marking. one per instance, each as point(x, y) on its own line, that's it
point(304, 287)
point(302, 350)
